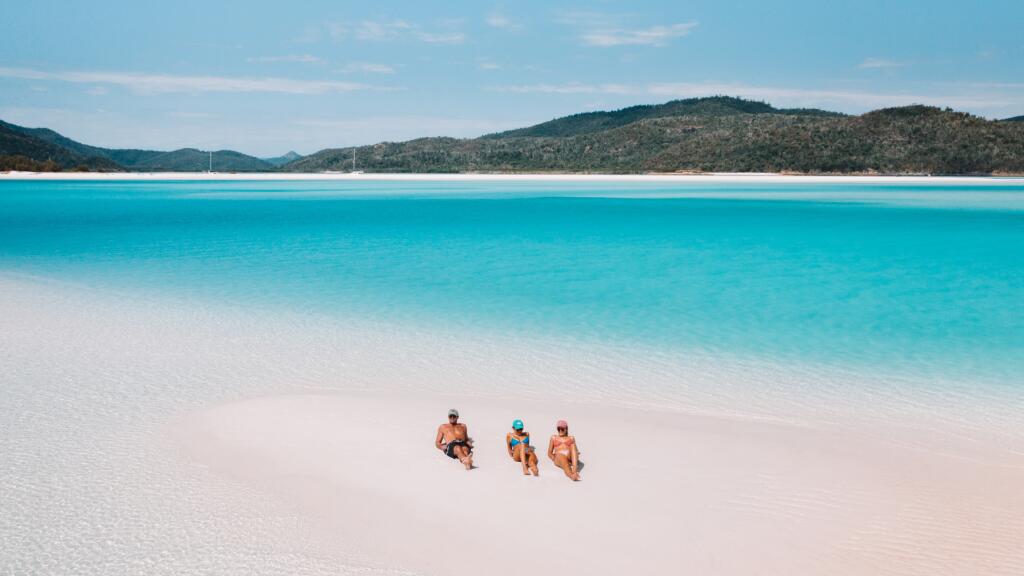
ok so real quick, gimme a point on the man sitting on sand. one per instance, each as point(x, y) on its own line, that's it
point(453, 439)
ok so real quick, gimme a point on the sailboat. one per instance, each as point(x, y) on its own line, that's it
point(354, 170)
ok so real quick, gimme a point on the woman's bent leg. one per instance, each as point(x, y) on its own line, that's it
point(562, 461)
point(519, 453)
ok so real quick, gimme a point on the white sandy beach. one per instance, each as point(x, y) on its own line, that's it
point(306, 446)
point(661, 493)
point(737, 177)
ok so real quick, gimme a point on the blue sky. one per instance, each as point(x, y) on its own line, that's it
point(268, 77)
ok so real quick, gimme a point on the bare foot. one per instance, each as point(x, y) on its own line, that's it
point(534, 471)
point(468, 462)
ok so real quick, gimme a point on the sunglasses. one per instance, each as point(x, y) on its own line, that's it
point(560, 429)
point(453, 417)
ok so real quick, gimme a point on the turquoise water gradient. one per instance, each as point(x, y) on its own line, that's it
point(918, 279)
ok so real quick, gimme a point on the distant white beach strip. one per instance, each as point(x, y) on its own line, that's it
point(739, 177)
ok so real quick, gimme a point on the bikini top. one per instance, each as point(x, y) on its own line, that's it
point(563, 441)
point(515, 441)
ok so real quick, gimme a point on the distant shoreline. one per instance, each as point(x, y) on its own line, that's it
point(749, 177)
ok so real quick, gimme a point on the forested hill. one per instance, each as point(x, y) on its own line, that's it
point(43, 149)
point(290, 156)
point(716, 134)
point(712, 135)
point(590, 122)
point(21, 149)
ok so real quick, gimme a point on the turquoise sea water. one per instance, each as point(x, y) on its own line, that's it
point(903, 279)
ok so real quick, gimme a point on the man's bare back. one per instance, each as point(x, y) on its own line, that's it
point(453, 439)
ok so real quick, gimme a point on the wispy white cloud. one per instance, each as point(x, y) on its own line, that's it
point(383, 30)
point(488, 65)
point(589, 19)
point(653, 36)
point(367, 68)
point(568, 88)
point(967, 97)
point(302, 58)
point(501, 21)
point(604, 29)
point(97, 91)
point(168, 83)
point(440, 37)
point(875, 63)
point(380, 29)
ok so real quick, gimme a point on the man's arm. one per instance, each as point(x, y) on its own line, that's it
point(440, 437)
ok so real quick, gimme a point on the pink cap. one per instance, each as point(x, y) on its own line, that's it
point(561, 424)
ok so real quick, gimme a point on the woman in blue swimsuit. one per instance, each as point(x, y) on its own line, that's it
point(518, 444)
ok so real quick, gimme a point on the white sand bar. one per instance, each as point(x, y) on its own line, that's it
point(170, 437)
point(662, 493)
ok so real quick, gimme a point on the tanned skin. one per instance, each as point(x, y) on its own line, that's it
point(563, 452)
point(455, 431)
point(530, 461)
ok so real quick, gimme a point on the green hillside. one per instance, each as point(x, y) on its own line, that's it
point(1015, 119)
point(717, 135)
point(291, 156)
point(193, 160)
point(42, 144)
point(17, 141)
point(590, 122)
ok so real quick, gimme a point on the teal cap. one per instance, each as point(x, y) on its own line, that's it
point(517, 424)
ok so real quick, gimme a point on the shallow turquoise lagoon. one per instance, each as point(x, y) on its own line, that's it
point(898, 279)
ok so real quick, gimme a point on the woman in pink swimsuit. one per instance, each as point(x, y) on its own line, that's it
point(563, 452)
